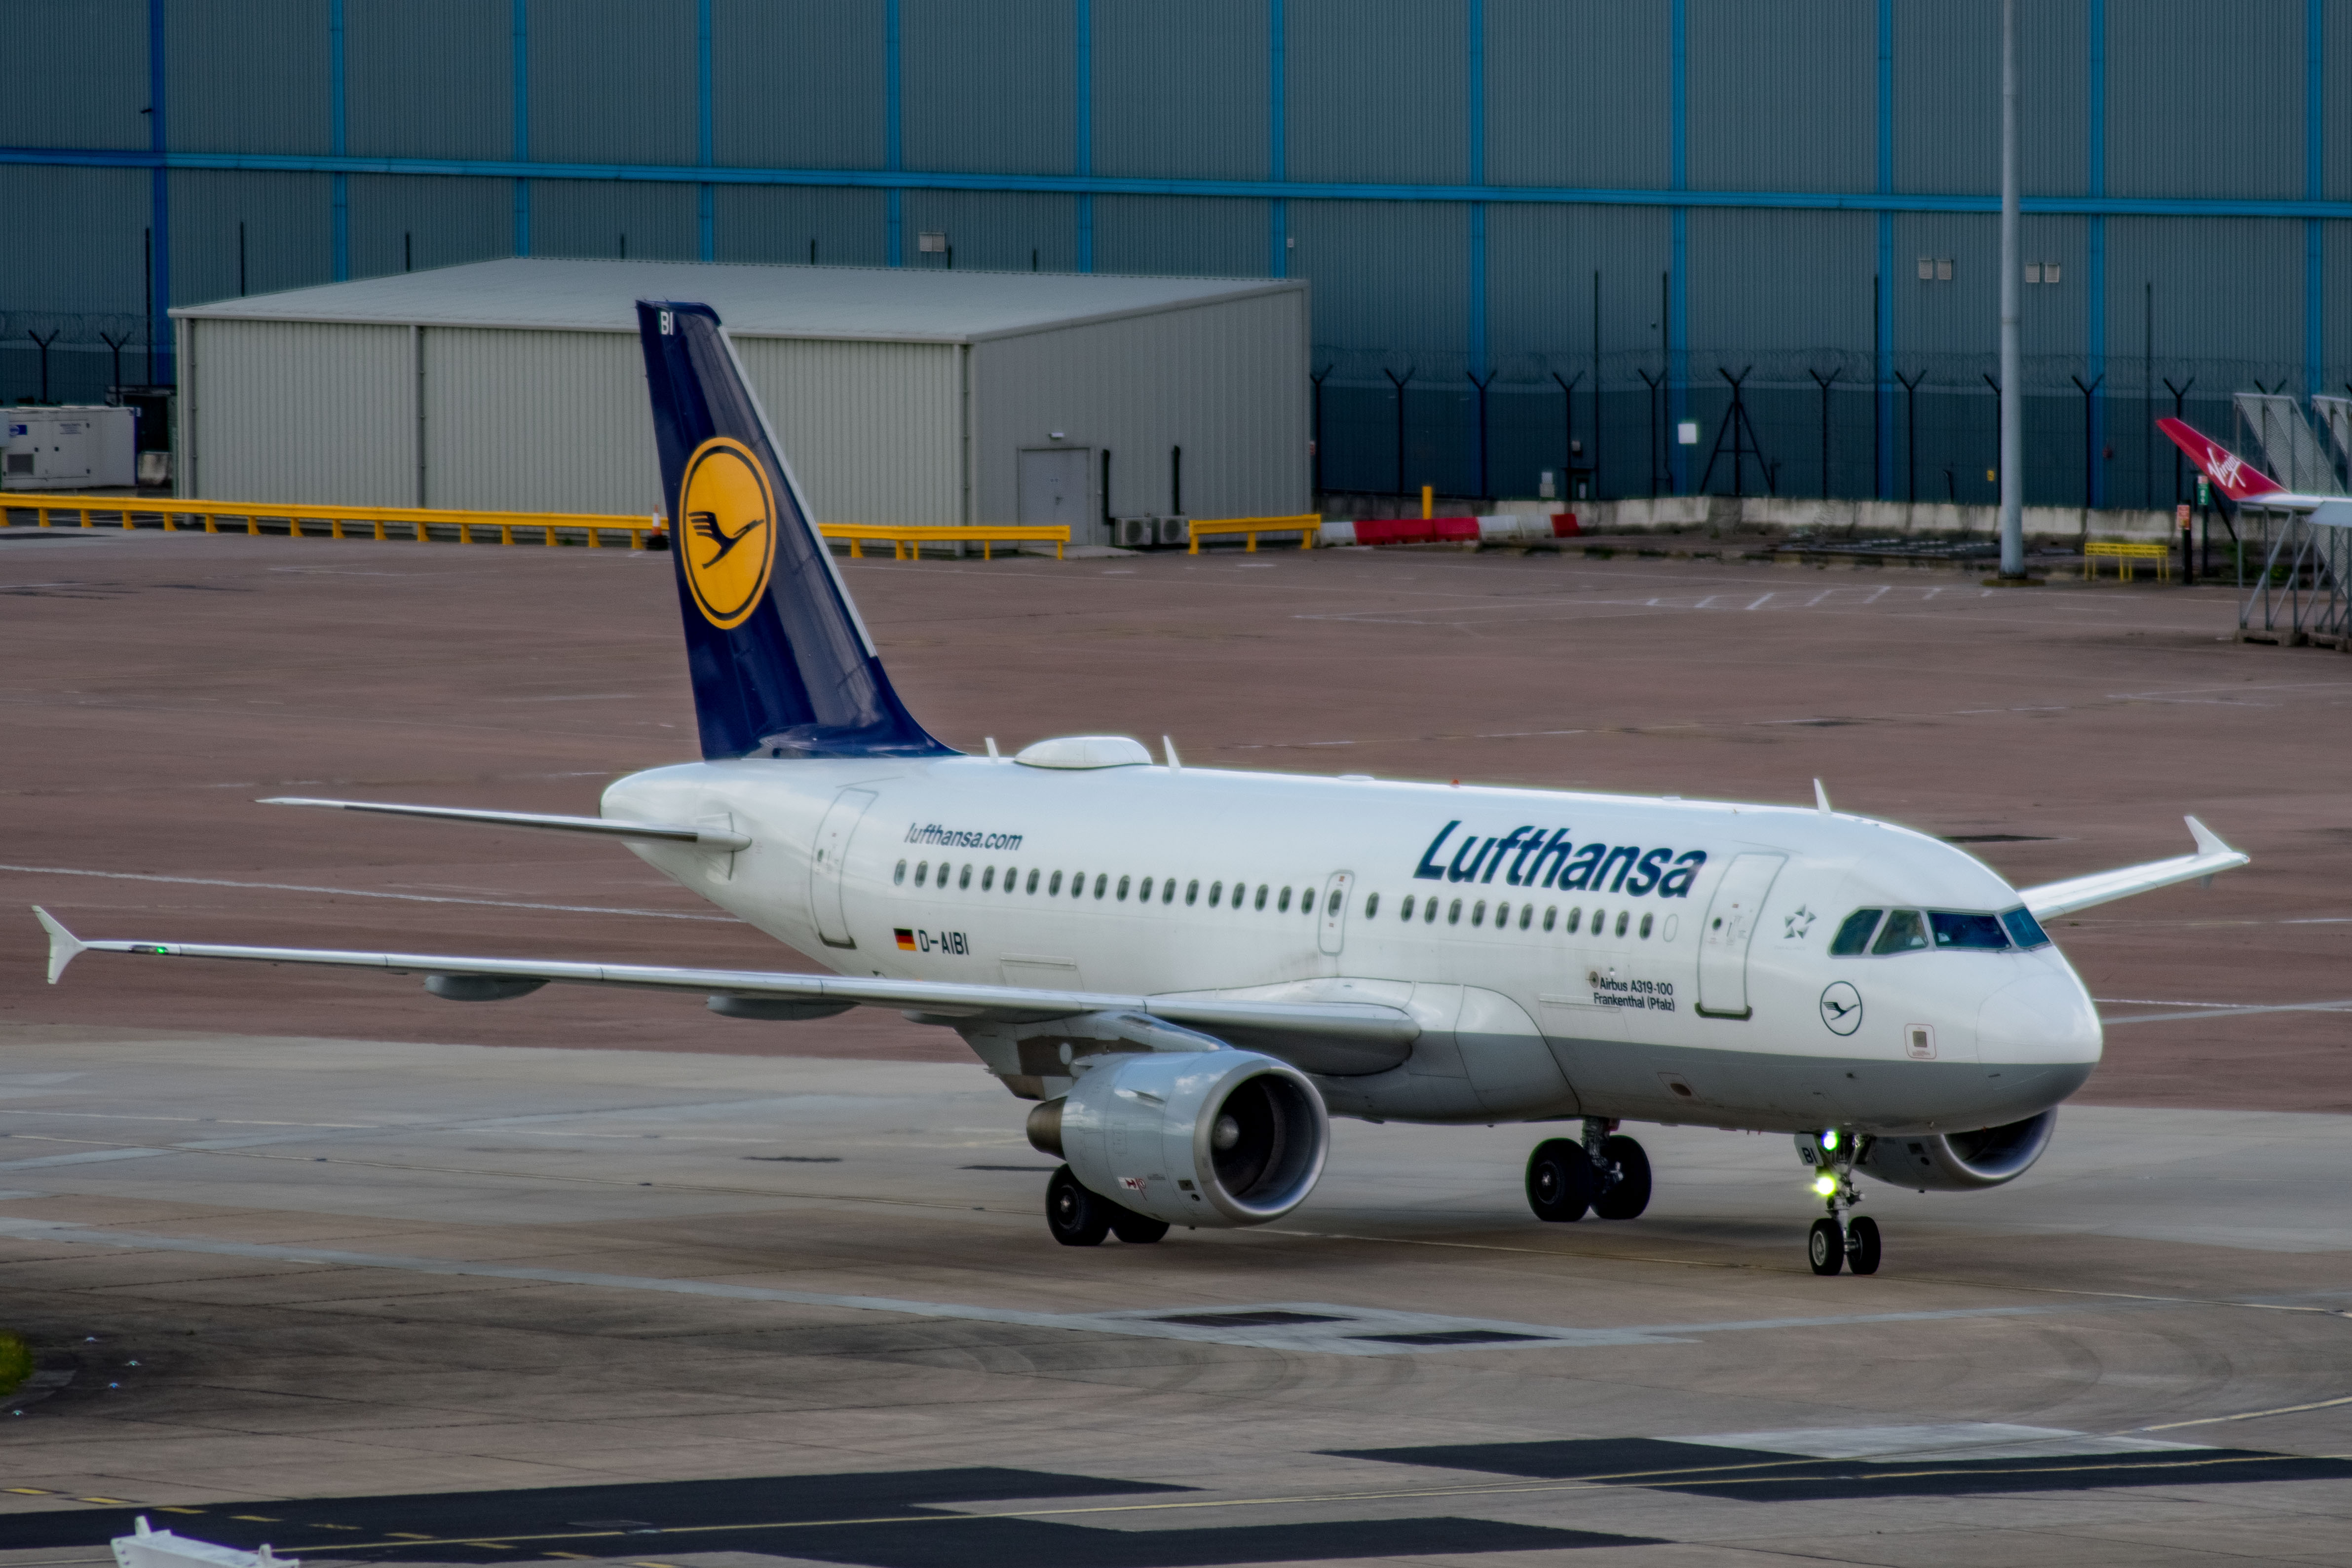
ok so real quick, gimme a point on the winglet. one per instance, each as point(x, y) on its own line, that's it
point(1821, 797)
point(64, 946)
point(2209, 842)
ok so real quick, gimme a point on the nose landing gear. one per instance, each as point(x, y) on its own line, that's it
point(1607, 1173)
point(1837, 1242)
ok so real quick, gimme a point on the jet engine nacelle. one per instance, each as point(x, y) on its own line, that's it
point(1194, 1137)
point(1959, 1162)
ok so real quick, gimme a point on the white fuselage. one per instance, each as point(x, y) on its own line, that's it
point(1644, 982)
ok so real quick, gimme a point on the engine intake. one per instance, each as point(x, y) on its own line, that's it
point(1197, 1137)
point(1960, 1162)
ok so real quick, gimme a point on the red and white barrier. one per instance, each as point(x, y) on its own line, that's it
point(1508, 527)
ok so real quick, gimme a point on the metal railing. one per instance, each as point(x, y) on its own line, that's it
point(2124, 554)
point(413, 523)
point(2299, 592)
point(907, 540)
point(1305, 527)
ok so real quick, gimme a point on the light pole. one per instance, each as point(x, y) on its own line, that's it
point(2012, 442)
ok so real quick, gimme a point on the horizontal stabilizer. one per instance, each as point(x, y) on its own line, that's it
point(63, 944)
point(2212, 855)
point(674, 833)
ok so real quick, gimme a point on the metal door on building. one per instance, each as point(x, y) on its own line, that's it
point(1335, 910)
point(1730, 926)
point(826, 864)
point(1057, 486)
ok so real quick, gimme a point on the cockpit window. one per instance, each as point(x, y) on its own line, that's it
point(2023, 929)
point(1956, 930)
point(1905, 932)
point(1854, 937)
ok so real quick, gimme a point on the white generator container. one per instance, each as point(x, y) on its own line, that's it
point(70, 448)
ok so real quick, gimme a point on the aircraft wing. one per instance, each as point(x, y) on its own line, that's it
point(2105, 886)
point(1362, 1026)
point(711, 838)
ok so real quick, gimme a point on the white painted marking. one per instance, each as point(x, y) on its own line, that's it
point(2235, 1012)
point(361, 892)
point(1955, 1440)
point(1759, 603)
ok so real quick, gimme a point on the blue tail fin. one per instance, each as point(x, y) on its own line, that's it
point(781, 663)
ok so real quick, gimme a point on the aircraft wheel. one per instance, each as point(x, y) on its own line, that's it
point(1825, 1247)
point(1076, 1217)
point(1862, 1246)
point(1129, 1226)
point(1629, 1194)
point(1560, 1180)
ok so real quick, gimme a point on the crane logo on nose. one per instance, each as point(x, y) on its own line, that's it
point(1841, 1007)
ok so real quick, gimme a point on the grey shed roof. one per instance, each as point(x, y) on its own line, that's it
point(903, 305)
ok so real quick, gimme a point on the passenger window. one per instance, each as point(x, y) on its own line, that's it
point(1528, 913)
point(1429, 911)
point(1502, 916)
point(921, 872)
point(2023, 929)
point(1122, 890)
point(1550, 916)
point(1078, 885)
point(1405, 912)
point(1373, 907)
point(1645, 927)
point(1102, 882)
point(1453, 915)
point(1854, 937)
point(1193, 890)
point(1575, 919)
point(1282, 904)
point(965, 880)
point(1905, 932)
point(1033, 882)
point(899, 875)
point(1620, 922)
point(1982, 932)
point(1215, 888)
point(1261, 895)
point(1142, 892)
point(1053, 888)
point(1478, 913)
point(1167, 890)
point(988, 879)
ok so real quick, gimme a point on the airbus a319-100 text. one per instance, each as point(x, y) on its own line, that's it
point(1187, 971)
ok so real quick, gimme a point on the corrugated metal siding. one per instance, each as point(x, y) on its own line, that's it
point(2232, 294)
point(2337, 101)
point(766, 58)
point(1578, 92)
point(100, 265)
point(302, 412)
point(612, 81)
point(288, 232)
point(1390, 276)
point(993, 231)
point(1775, 284)
point(445, 222)
point(249, 78)
point(2338, 325)
point(2241, 58)
point(1180, 90)
point(1377, 90)
point(592, 217)
point(2053, 53)
point(1954, 328)
point(2053, 318)
point(988, 86)
point(1184, 236)
point(85, 83)
point(538, 421)
point(1540, 268)
point(428, 78)
point(1227, 383)
point(1947, 97)
point(780, 222)
point(873, 431)
point(1783, 95)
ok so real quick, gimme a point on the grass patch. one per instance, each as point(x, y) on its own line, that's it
point(15, 1363)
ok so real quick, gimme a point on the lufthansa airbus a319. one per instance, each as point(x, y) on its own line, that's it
point(1185, 1005)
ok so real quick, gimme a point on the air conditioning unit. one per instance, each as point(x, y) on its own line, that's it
point(1176, 531)
point(1135, 533)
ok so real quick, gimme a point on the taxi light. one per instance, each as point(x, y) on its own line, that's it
point(1830, 1139)
point(1826, 1185)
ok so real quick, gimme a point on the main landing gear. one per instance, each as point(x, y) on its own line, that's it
point(1607, 1173)
point(1836, 1242)
point(1079, 1217)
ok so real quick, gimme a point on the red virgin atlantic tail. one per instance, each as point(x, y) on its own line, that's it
point(2231, 475)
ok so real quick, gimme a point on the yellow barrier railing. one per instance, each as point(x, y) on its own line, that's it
point(2123, 555)
point(905, 540)
point(416, 522)
point(1305, 527)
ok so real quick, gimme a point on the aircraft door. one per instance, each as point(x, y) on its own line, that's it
point(1730, 926)
point(826, 864)
point(1334, 917)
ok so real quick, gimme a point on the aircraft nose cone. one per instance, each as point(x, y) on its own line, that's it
point(2044, 1019)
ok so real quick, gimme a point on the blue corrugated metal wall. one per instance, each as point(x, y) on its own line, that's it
point(1755, 183)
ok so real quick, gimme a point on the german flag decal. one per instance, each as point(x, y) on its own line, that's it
point(906, 940)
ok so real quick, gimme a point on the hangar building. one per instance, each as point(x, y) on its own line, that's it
point(900, 396)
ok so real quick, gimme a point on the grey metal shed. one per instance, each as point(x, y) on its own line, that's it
point(900, 395)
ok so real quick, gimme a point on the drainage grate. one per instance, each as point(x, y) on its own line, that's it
point(1453, 1337)
point(1264, 1320)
